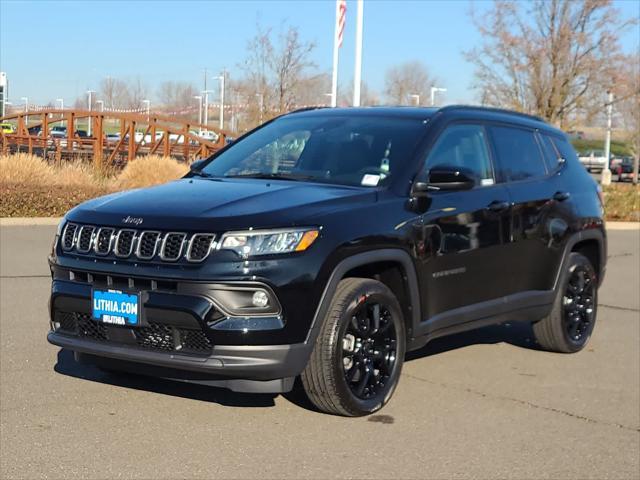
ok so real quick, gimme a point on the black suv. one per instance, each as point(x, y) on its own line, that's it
point(328, 243)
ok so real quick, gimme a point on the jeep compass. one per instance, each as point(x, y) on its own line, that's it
point(328, 243)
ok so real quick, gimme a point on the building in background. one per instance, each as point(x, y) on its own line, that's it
point(3, 92)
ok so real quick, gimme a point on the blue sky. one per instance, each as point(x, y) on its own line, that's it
point(60, 49)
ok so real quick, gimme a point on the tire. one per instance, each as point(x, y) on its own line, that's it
point(350, 345)
point(569, 326)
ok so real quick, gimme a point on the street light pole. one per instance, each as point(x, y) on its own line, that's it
point(90, 93)
point(205, 93)
point(148, 104)
point(221, 79)
point(433, 94)
point(26, 109)
point(261, 104)
point(416, 97)
point(199, 98)
point(605, 177)
point(357, 77)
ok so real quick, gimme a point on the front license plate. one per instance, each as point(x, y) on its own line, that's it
point(115, 307)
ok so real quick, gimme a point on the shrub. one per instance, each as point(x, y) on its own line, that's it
point(149, 170)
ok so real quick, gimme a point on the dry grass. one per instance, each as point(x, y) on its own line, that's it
point(29, 186)
point(147, 171)
point(622, 202)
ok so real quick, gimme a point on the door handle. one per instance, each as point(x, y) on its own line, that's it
point(561, 196)
point(498, 206)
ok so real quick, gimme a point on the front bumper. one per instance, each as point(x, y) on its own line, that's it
point(176, 340)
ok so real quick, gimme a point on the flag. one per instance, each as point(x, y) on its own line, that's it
point(341, 19)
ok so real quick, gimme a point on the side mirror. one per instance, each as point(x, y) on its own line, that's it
point(451, 178)
point(197, 165)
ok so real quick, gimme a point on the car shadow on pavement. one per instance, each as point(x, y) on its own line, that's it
point(519, 334)
point(66, 365)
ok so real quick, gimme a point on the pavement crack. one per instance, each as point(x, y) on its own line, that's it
point(616, 307)
point(525, 403)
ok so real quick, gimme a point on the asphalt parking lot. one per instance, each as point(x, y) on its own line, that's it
point(478, 405)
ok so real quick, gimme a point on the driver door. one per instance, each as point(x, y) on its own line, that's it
point(469, 228)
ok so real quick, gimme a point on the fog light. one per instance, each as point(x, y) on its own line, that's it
point(260, 299)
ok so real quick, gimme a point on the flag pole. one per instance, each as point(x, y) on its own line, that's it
point(357, 77)
point(336, 47)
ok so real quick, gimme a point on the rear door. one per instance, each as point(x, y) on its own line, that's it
point(539, 211)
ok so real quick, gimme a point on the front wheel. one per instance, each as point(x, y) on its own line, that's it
point(357, 358)
point(568, 327)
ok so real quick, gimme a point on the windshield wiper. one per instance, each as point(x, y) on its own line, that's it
point(200, 173)
point(273, 176)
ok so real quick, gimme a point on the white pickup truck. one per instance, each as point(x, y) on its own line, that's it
point(594, 160)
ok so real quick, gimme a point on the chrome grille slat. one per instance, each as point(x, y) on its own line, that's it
point(147, 244)
point(134, 243)
point(124, 242)
point(171, 248)
point(85, 238)
point(199, 246)
point(69, 236)
point(104, 240)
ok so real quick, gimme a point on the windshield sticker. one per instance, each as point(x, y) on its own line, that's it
point(370, 180)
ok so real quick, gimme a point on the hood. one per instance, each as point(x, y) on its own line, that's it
point(215, 204)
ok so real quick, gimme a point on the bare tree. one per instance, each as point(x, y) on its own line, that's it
point(402, 81)
point(276, 71)
point(177, 95)
point(627, 92)
point(137, 91)
point(548, 57)
point(114, 92)
point(368, 97)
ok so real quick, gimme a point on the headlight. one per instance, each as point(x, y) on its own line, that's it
point(54, 244)
point(269, 242)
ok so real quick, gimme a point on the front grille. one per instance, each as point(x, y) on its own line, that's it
point(172, 246)
point(124, 243)
point(69, 236)
point(103, 240)
point(85, 237)
point(158, 337)
point(147, 245)
point(143, 244)
point(199, 247)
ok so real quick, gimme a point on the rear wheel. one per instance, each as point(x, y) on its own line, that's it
point(356, 362)
point(568, 327)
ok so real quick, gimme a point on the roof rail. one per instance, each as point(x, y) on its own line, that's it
point(491, 109)
point(304, 109)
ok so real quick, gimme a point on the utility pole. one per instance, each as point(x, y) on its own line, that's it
point(605, 176)
point(261, 104)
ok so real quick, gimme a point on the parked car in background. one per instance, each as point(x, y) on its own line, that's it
point(6, 127)
point(81, 134)
point(594, 160)
point(58, 132)
point(112, 137)
point(623, 169)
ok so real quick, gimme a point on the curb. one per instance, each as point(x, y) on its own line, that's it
point(622, 225)
point(28, 221)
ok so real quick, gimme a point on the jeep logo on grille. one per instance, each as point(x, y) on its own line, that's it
point(133, 220)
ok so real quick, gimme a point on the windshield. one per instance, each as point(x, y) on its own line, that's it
point(345, 150)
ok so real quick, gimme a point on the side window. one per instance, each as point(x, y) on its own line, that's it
point(463, 146)
point(518, 153)
point(551, 155)
point(565, 149)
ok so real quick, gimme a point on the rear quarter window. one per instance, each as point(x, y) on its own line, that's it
point(551, 155)
point(518, 153)
point(565, 149)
